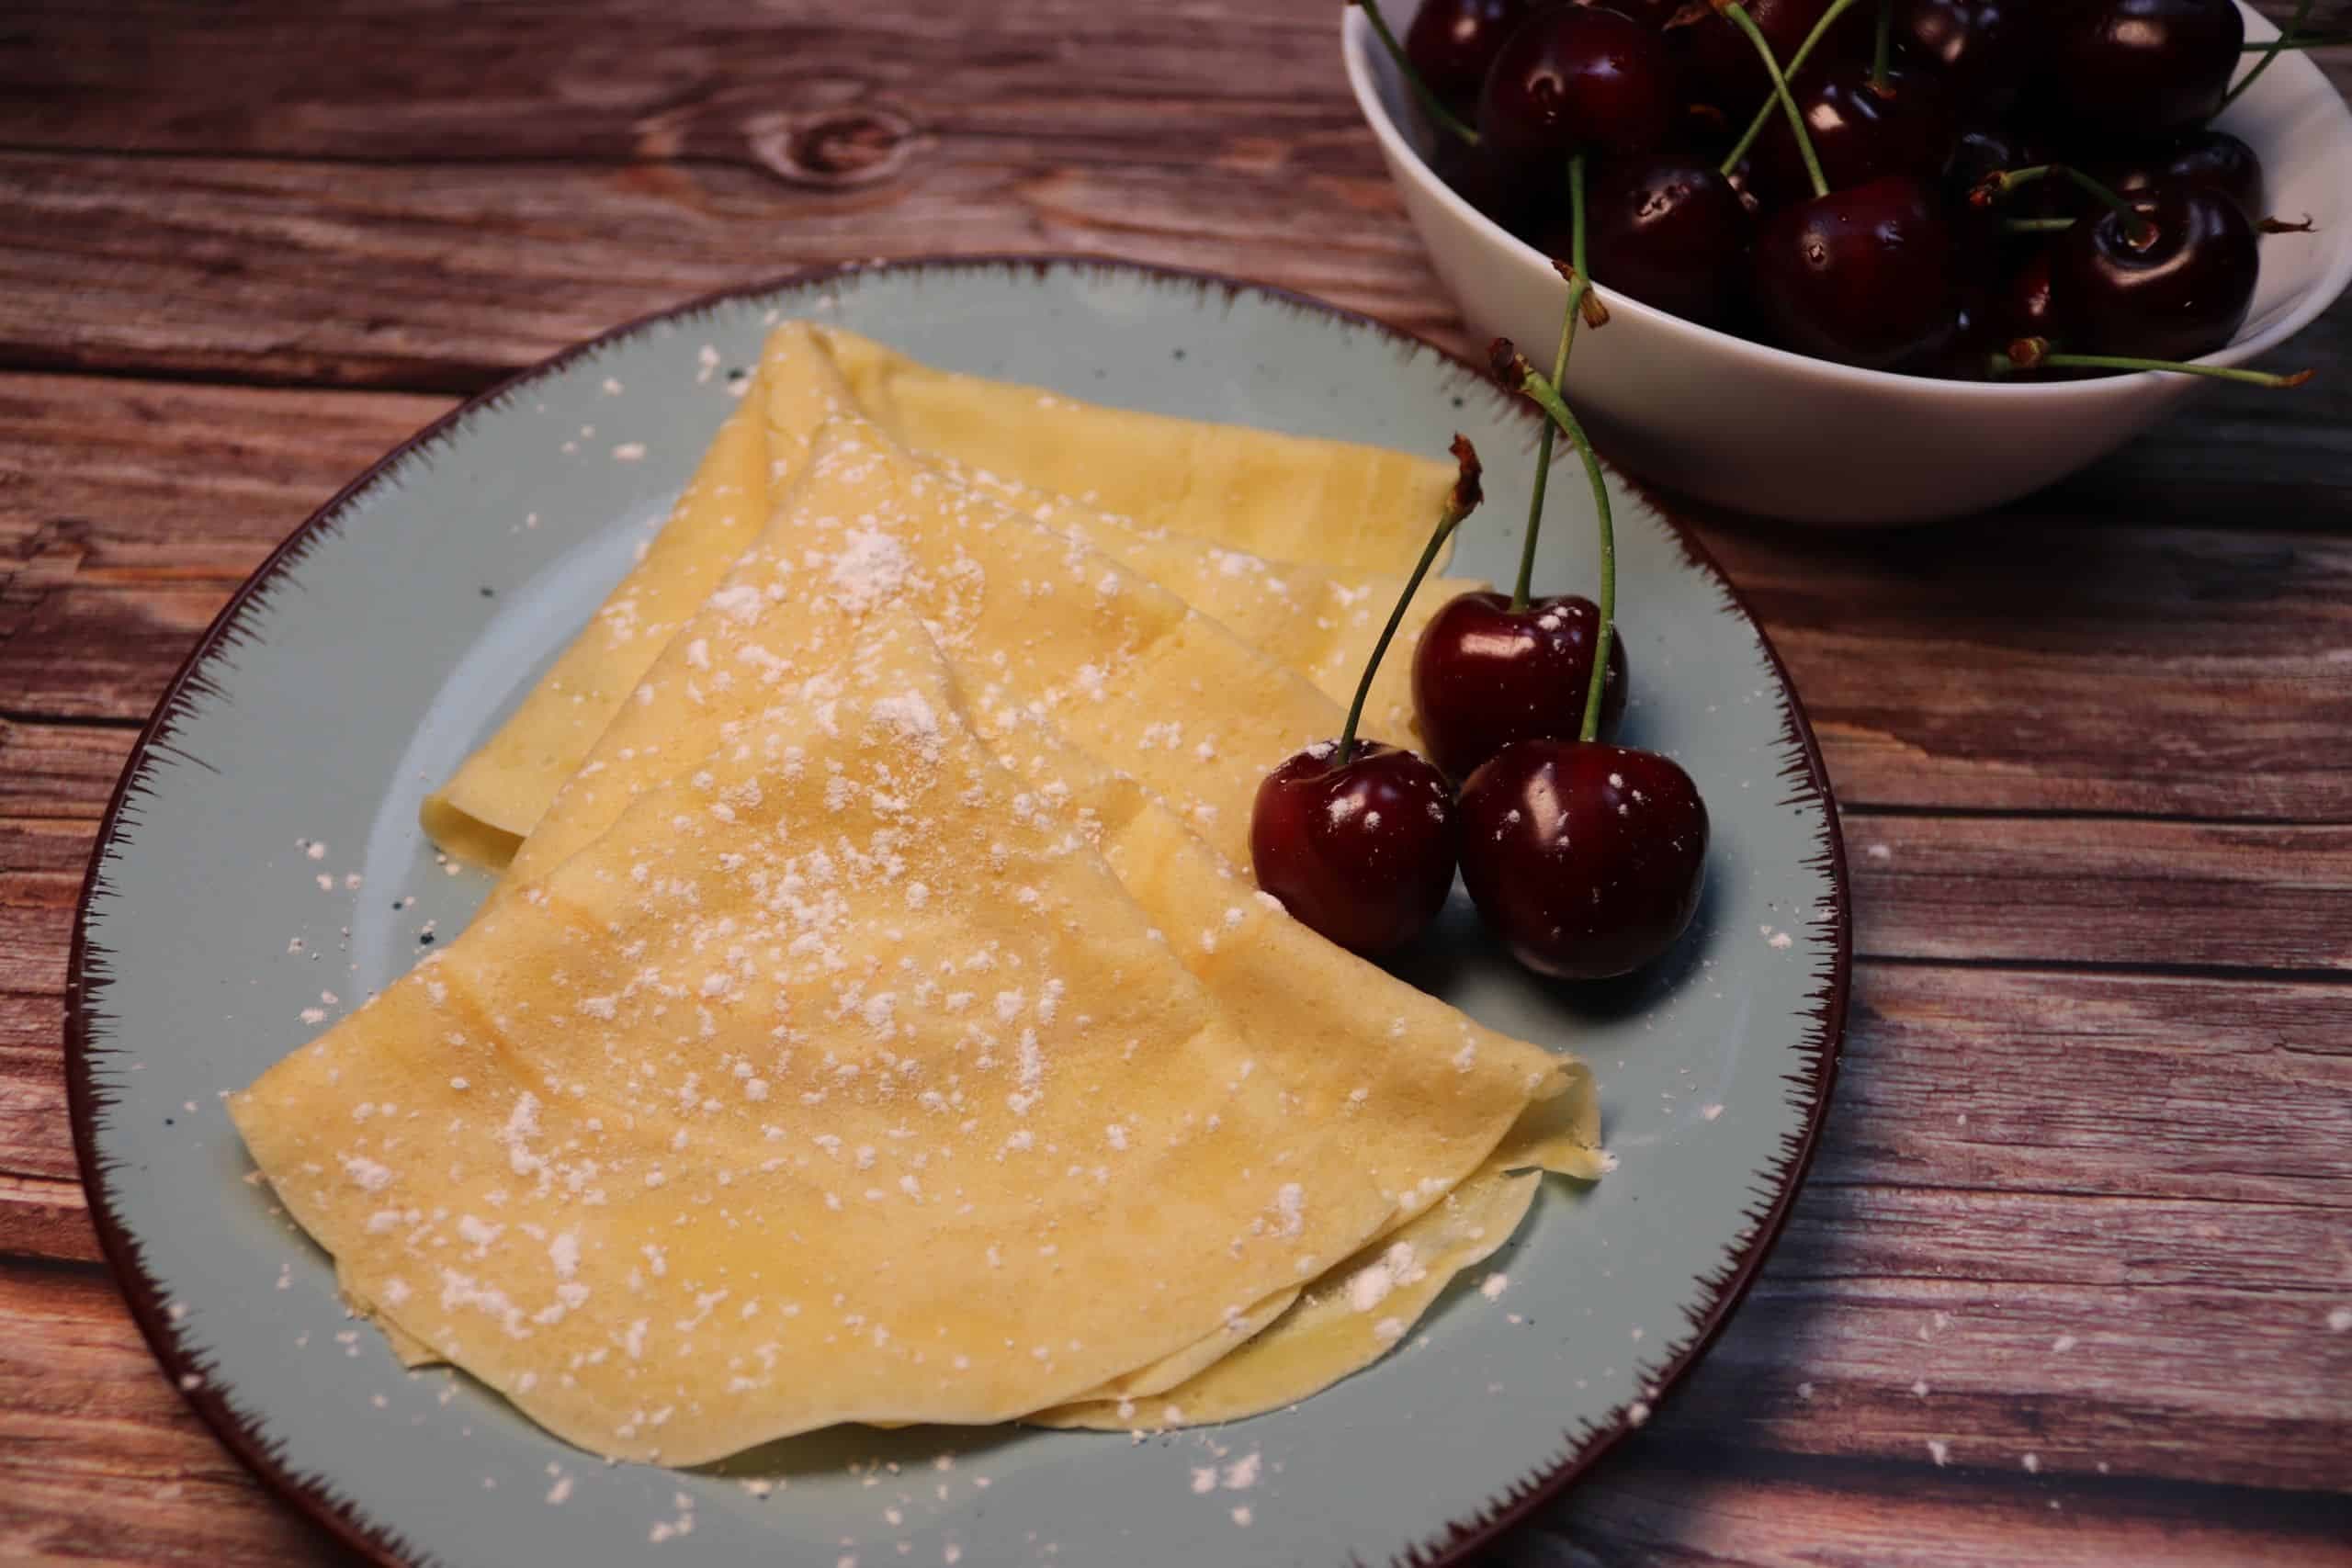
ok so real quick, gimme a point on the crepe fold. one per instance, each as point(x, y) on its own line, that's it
point(1273, 497)
point(873, 1023)
point(824, 1085)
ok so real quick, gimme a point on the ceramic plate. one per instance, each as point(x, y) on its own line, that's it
point(261, 869)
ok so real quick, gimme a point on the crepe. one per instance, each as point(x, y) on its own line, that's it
point(1320, 623)
point(1351, 508)
point(1014, 603)
point(827, 1084)
point(1348, 1319)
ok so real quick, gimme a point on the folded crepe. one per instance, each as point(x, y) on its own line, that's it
point(1319, 620)
point(829, 1082)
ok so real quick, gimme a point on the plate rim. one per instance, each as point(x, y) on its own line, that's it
point(1805, 775)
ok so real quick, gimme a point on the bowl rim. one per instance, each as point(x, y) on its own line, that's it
point(1358, 50)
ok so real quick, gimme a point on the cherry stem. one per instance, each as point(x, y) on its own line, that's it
point(2037, 225)
point(2001, 182)
point(2277, 45)
point(1513, 366)
point(1796, 61)
point(1882, 47)
point(1460, 503)
point(2291, 40)
point(1747, 24)
point(1579, 286)
point(2034, 354)
point(1431, 105)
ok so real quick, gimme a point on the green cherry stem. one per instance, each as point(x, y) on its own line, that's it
point(1431, 105)
point(1796, 61)
point(2034, 354)
point(2277, 45)
point(2001, 182)
point(2291, 40)
point(1580, 285)
point(1882, 47)
point(1747, 24)
point(1511, 367)
point(1460, 503)
point(2036, 225)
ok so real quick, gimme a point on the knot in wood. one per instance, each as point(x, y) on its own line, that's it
point(838, 148)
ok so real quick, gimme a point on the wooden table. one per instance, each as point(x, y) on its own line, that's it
point(2072, 1280)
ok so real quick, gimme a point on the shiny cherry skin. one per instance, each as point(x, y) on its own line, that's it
point(1864, 275)
point(2139, 68)
point(1668, 229)
point(1361, 850)
point(1723, 63)
point(2181, 296)
point(1652, 13)
point(1454, 42)
point(1859, 130)
point(1981, 50)
point(1512, 192)
point(1587, 860)
point(2214, 159)
point(1577, 79)
point(1485, 675)
point(2026, 305)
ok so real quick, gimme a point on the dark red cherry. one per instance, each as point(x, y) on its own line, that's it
point(1512, 192)
point(2214, 159)
point(1453, 42)
point(1860, 129)
point(1722, 62)
point(1577, 79)
point(2026, 306)
point(1862, 275)
point(2139, 68)
point(1668, 229)
point(1989, 147)
point(1586, 859)
point(2177, 294)
point(1652, 13)
point(1485, 675)
point(1981, 50)
point(1361, 850)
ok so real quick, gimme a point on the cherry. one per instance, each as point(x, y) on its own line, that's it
point(1725, 66)
point(1985, 149)
point(1862, 275)
point(1574, 79)
point(1652, 13)
point(1862, 125)
point(2027, 305)
point(1981, 50)
point(1485, 675)
point(2172, 280)
point(2137, 68)
point(1362, 850)
point(1356, 838)
point(1507, 191)
point(1671, 231)
point(1586, 859)
point(1453, 42)
point(2214, 159)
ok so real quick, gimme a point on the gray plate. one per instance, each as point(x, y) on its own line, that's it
point(388, 634)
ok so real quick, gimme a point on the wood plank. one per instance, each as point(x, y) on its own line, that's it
point(2094, 890)
point(698, 79)
point(447, 277)
point(101, 1461)
point(1699, 1505)
point(2179, 671)
point(2110, 1085)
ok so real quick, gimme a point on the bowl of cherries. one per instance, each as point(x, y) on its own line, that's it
point(1869, 261)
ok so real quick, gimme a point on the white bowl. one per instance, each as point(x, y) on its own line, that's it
point(1765, 431)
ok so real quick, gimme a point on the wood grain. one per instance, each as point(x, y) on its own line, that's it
point(2066, 1284)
